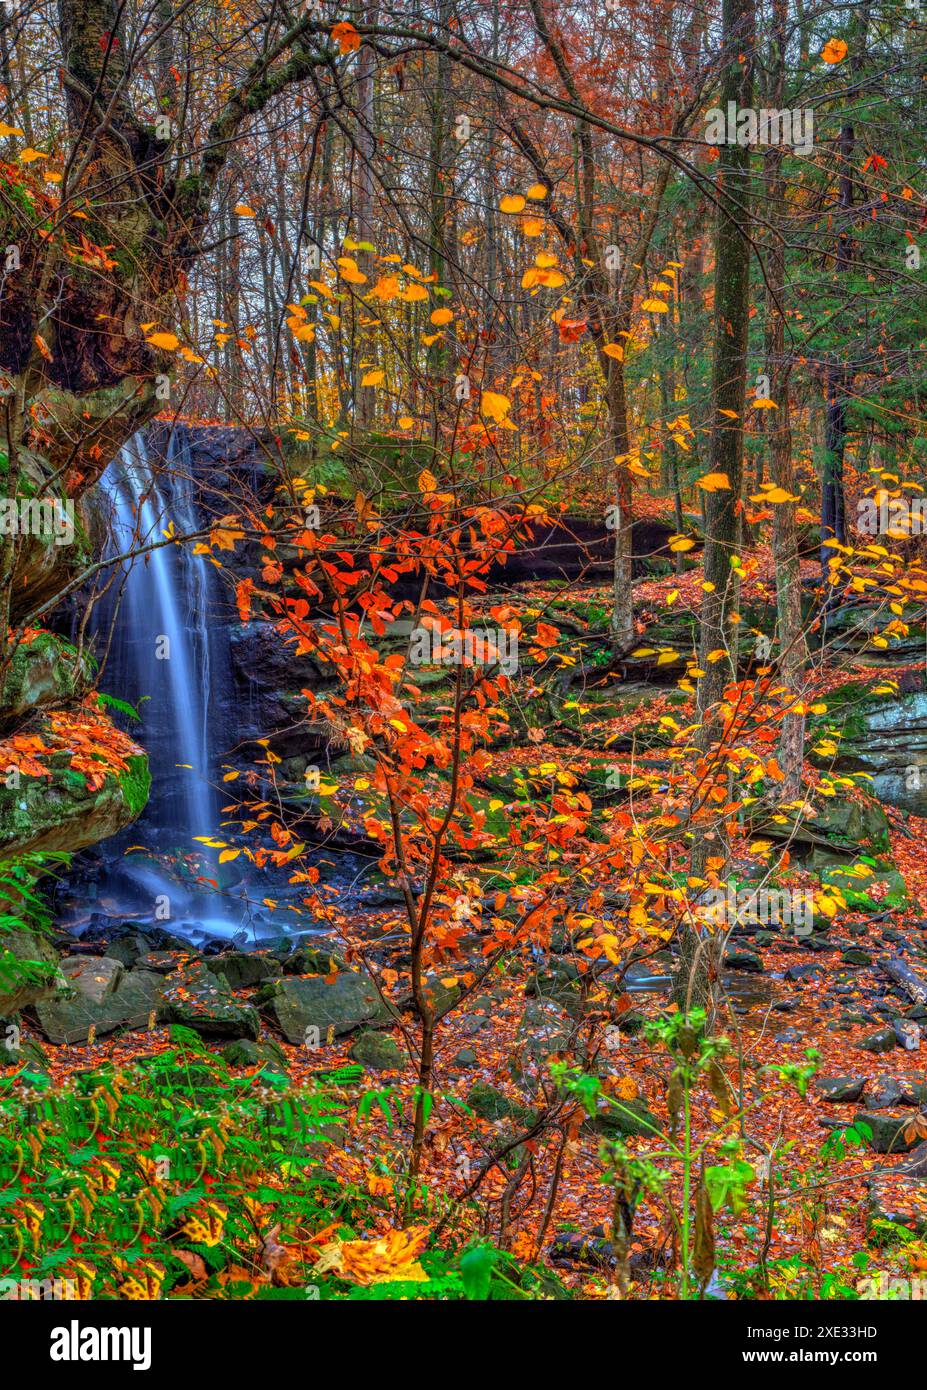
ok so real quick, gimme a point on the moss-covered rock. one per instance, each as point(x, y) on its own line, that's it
point(44, 671)
point(245, 1052)
point(377, 1052)
point(61, 813)
point(28, 969)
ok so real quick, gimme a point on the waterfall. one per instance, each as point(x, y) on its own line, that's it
point(159, 658)
point(167, 649)
point(170, 623)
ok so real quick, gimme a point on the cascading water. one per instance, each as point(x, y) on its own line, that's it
point(165, 631)
point(160, 649)
point(167, 646)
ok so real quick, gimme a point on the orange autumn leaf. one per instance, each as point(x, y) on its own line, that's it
point(834, 51)
point(345, 36)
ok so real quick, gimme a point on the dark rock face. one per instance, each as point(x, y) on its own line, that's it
point(839, 1090)
point(104, 998)
point(241, 971)
point(306, 1009)
point(267, 677)
point(580, 547)
point(887, 1131)
point(198, 999)
point(377, 1052)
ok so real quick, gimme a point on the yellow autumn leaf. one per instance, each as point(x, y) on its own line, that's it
point(427, 482)
point(494, 406)
point(714, 482)
point(386, 288)
point(775, 496)
point(655, 306)
point(242, 210)
point(166, 341)
point(392, 1258)
point(374, 378)
point(348, 270)
point(536, 192)
point(439, 317)
point(614, 350)
point(513, 202)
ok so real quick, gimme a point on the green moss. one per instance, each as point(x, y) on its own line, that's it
point(136, 784)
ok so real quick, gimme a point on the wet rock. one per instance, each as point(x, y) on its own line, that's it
point(560, 981)
point(907, 1034)
point(312, 960)
point(489, 1103)
point(471, 1024)
point(465, 1058)
point(881, 1041)
point(94, 977)
point(743, 960)
point(887, 1131)
point(161, 962)
point(439, 994)
point(854, 956)
point(242, 970)
point(196, 998)
point(838, 1090)
point(545, 1029)
point(804, 972)
point(137, 996)
point(377, 1052)
point(306, 1010)
point(915, 1165)
point(245, 1052)
point(885, 1091)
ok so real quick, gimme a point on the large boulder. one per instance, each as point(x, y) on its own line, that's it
point(102, 997)
point(196, 998)
point(884, 736)
point(44, 670)
point(28, 968)
point(309, 1009)
point(242, 970)
point(377, 1052)
point(61, 812)
point(887, 1131)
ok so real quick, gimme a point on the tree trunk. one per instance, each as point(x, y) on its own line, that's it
point(722, 514)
